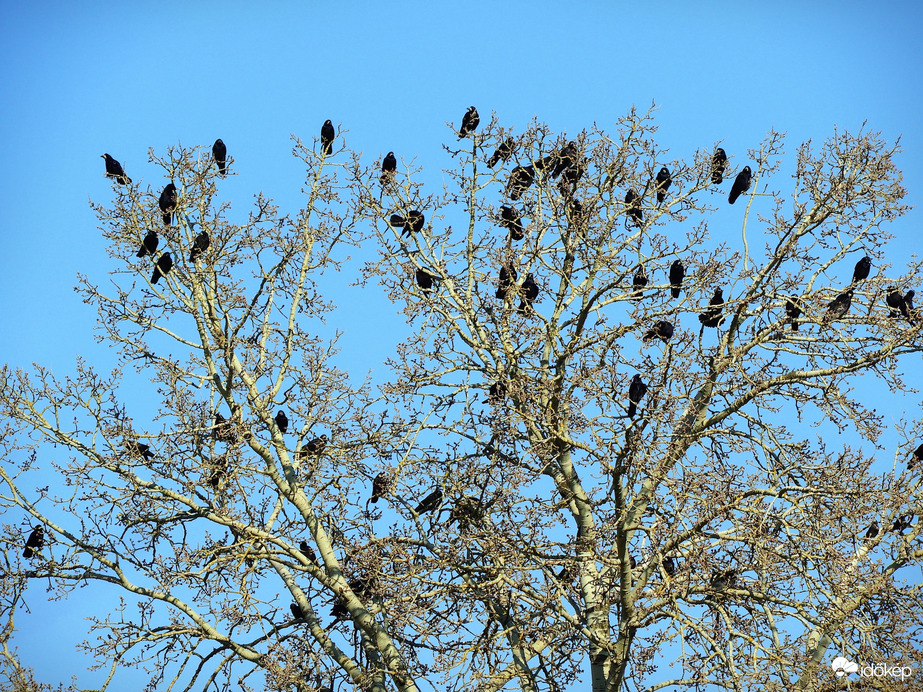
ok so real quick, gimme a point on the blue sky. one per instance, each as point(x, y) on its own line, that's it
point(81, 79)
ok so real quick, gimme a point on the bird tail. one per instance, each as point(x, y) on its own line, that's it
point(193, 254)
point(794, 326)
point(142, 252)
point(632, 409)
point(156, 277)
point(167, 218)
point(674, 292)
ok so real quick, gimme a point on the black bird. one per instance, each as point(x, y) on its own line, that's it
point(510, 218)
point(521, 178)
point(638, 282)
point(220, 464)
point(496, 392)
point(718, 163)
point(503, 152)
point(863, 267)
point(662, 330)
point(529, 292)
point(139, 448)
point(636, 390)
point(114, 170)
point(359, 586)
point(741, 184)
point(307, 551)
point(150, 242)
point(282, 421)
point(907, 305)
point(508, 276)
point(380, 485)
point(720, 581)
point(388, 168)
point(317, 445)
point(902, 523)
point(163, 267)
point(397, 221)
point(916, 458)
point(327, 135)
point(565, 159)
point(167, 203)
point(662, 184)
point(712, 317)
point(297, 613)
point(669, 566)
point(224, 429)
point(470, 122)
point(430, 502)
point(793, 312)
point(201, 243)
point(425, 280)
point(414, 222)
point(894, 300)
point(838, 307)
point(220, 154)
point(572, 174)
point(677, 274)
point(34, 542)
point(633, 206)
point(576, 213)
point(872, 531)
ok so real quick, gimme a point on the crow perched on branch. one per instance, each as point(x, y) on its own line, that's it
point(388, 168)
point(521, 178)
point(503, 152)
point(636, 390)
point(380, 486)
point(509, 217)
point(162, 268)
point(220, 154)
point(139, 449)
point(662, 330)
point(327, 135)
point(317, 445)
point(167, 203)
point(712, 316)
point(662, 184)
point(150, 243)
point(528, 292)
point(838, 307)
point(470, 122)
point(425, 280)
point(793, 312)
point(633, 206)
point(862, 270)
point(430, 502)
point(677, 274)
point(718, 163)
point(741, 184)
point(114, 170)
point(201, 243)
point(282, 421)
point(508, 277)
point(34, 542)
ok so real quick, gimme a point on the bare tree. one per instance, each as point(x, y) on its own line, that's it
point(588, 456)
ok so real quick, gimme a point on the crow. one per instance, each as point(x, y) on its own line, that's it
point(220, 464)
point(220, 154)
point(576, 213)
point(425, 280)
point(150, 242)
point(360, 586)
point(430, 502)
point(662, 330)
point(167, 203)
point(907, 305)
point(201, 243)
point(916, 457)
point(496, 392)
point(521, 178)
point(414, 222)
point(741, 184)
point(34, 542)
point(508, 277)
point(317, 445)
point(564, 159)
point(470, 122)
point(572, 174)
point(327, 135)
point(114, 170)
point(510, 218)
point(677, 274)
point(282, 421)
point(380, 485)
point(669, 566)
point(529, 292)
point(838, 307)
point(793, 312)
point(718, 163)
point(720, 581)
point(307, 551)
point(297, 613)
point(388, 168)
point(139, 449)
point(638, 282)
point(863, 267)
point(902, 523)
point(162, 268)
point(872, 531)
point(503, 152)
point(636, 390)
point(895, 301)
point(662, 184)
point(633, 206)
point(712, 316)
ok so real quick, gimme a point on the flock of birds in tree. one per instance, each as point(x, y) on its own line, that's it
point(567, 167)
